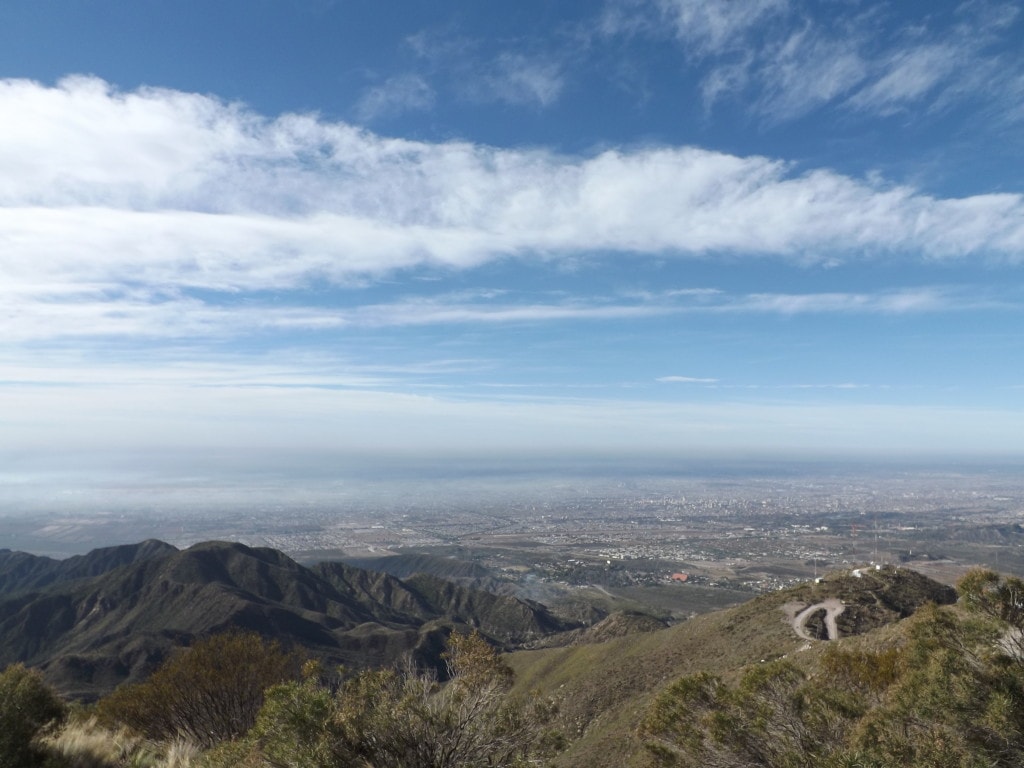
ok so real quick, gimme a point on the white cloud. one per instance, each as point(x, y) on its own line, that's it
point(896, 302)
point(70, 370)
point(712, 27)
point(518, 79)
point(134, 315)
point(75, 366)
point(846, 385)
point(396, 95)
point(260, 202)
point(685, 380)
point(117, 203)
point(783, 58)
point(908, 76)
point(804, 71)
point(426, 312)
point(511, 76)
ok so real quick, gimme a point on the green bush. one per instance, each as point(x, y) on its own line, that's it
point(401, 718)
point(774, 717)
point(27, 707)
point(948, 695)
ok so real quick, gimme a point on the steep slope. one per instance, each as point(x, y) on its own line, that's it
point(90, 633)
point(604, 688)
point(388, 596)
point(466, 573)
point(422, 597)
point(618, 624)
point(510, 619)
point(405, 565)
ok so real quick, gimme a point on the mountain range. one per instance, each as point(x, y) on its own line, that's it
point(94, 621)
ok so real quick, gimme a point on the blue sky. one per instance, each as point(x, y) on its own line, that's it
point(301, 233)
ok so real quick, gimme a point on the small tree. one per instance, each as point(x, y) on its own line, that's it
point(210, 692)
point(27, 706)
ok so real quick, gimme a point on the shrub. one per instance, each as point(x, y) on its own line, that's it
point(943, 697)
point(208, 693)
point(27, 706)
point(403, 718)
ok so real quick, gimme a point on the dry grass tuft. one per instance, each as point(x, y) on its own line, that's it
point(180, 753)
point(86, 744)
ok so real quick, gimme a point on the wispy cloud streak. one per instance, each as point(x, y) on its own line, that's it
point(173, 189)
point(785, 58)
point(42, 314)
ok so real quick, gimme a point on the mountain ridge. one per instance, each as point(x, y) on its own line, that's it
point(115, 613)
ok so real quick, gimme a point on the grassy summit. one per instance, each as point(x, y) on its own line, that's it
point(604, 690)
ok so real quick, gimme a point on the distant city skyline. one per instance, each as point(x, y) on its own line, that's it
point(296, 237)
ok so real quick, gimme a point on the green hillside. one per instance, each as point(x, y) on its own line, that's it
point(605, 689)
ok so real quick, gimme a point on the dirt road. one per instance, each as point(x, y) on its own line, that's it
point(799, 615)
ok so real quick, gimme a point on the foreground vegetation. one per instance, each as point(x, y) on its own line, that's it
point(942, 689)
point(948, 693)
point(236, 700)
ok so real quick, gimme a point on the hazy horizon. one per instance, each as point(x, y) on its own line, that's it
point(368, 484)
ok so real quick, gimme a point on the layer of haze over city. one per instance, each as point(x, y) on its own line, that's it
point(284, 254)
